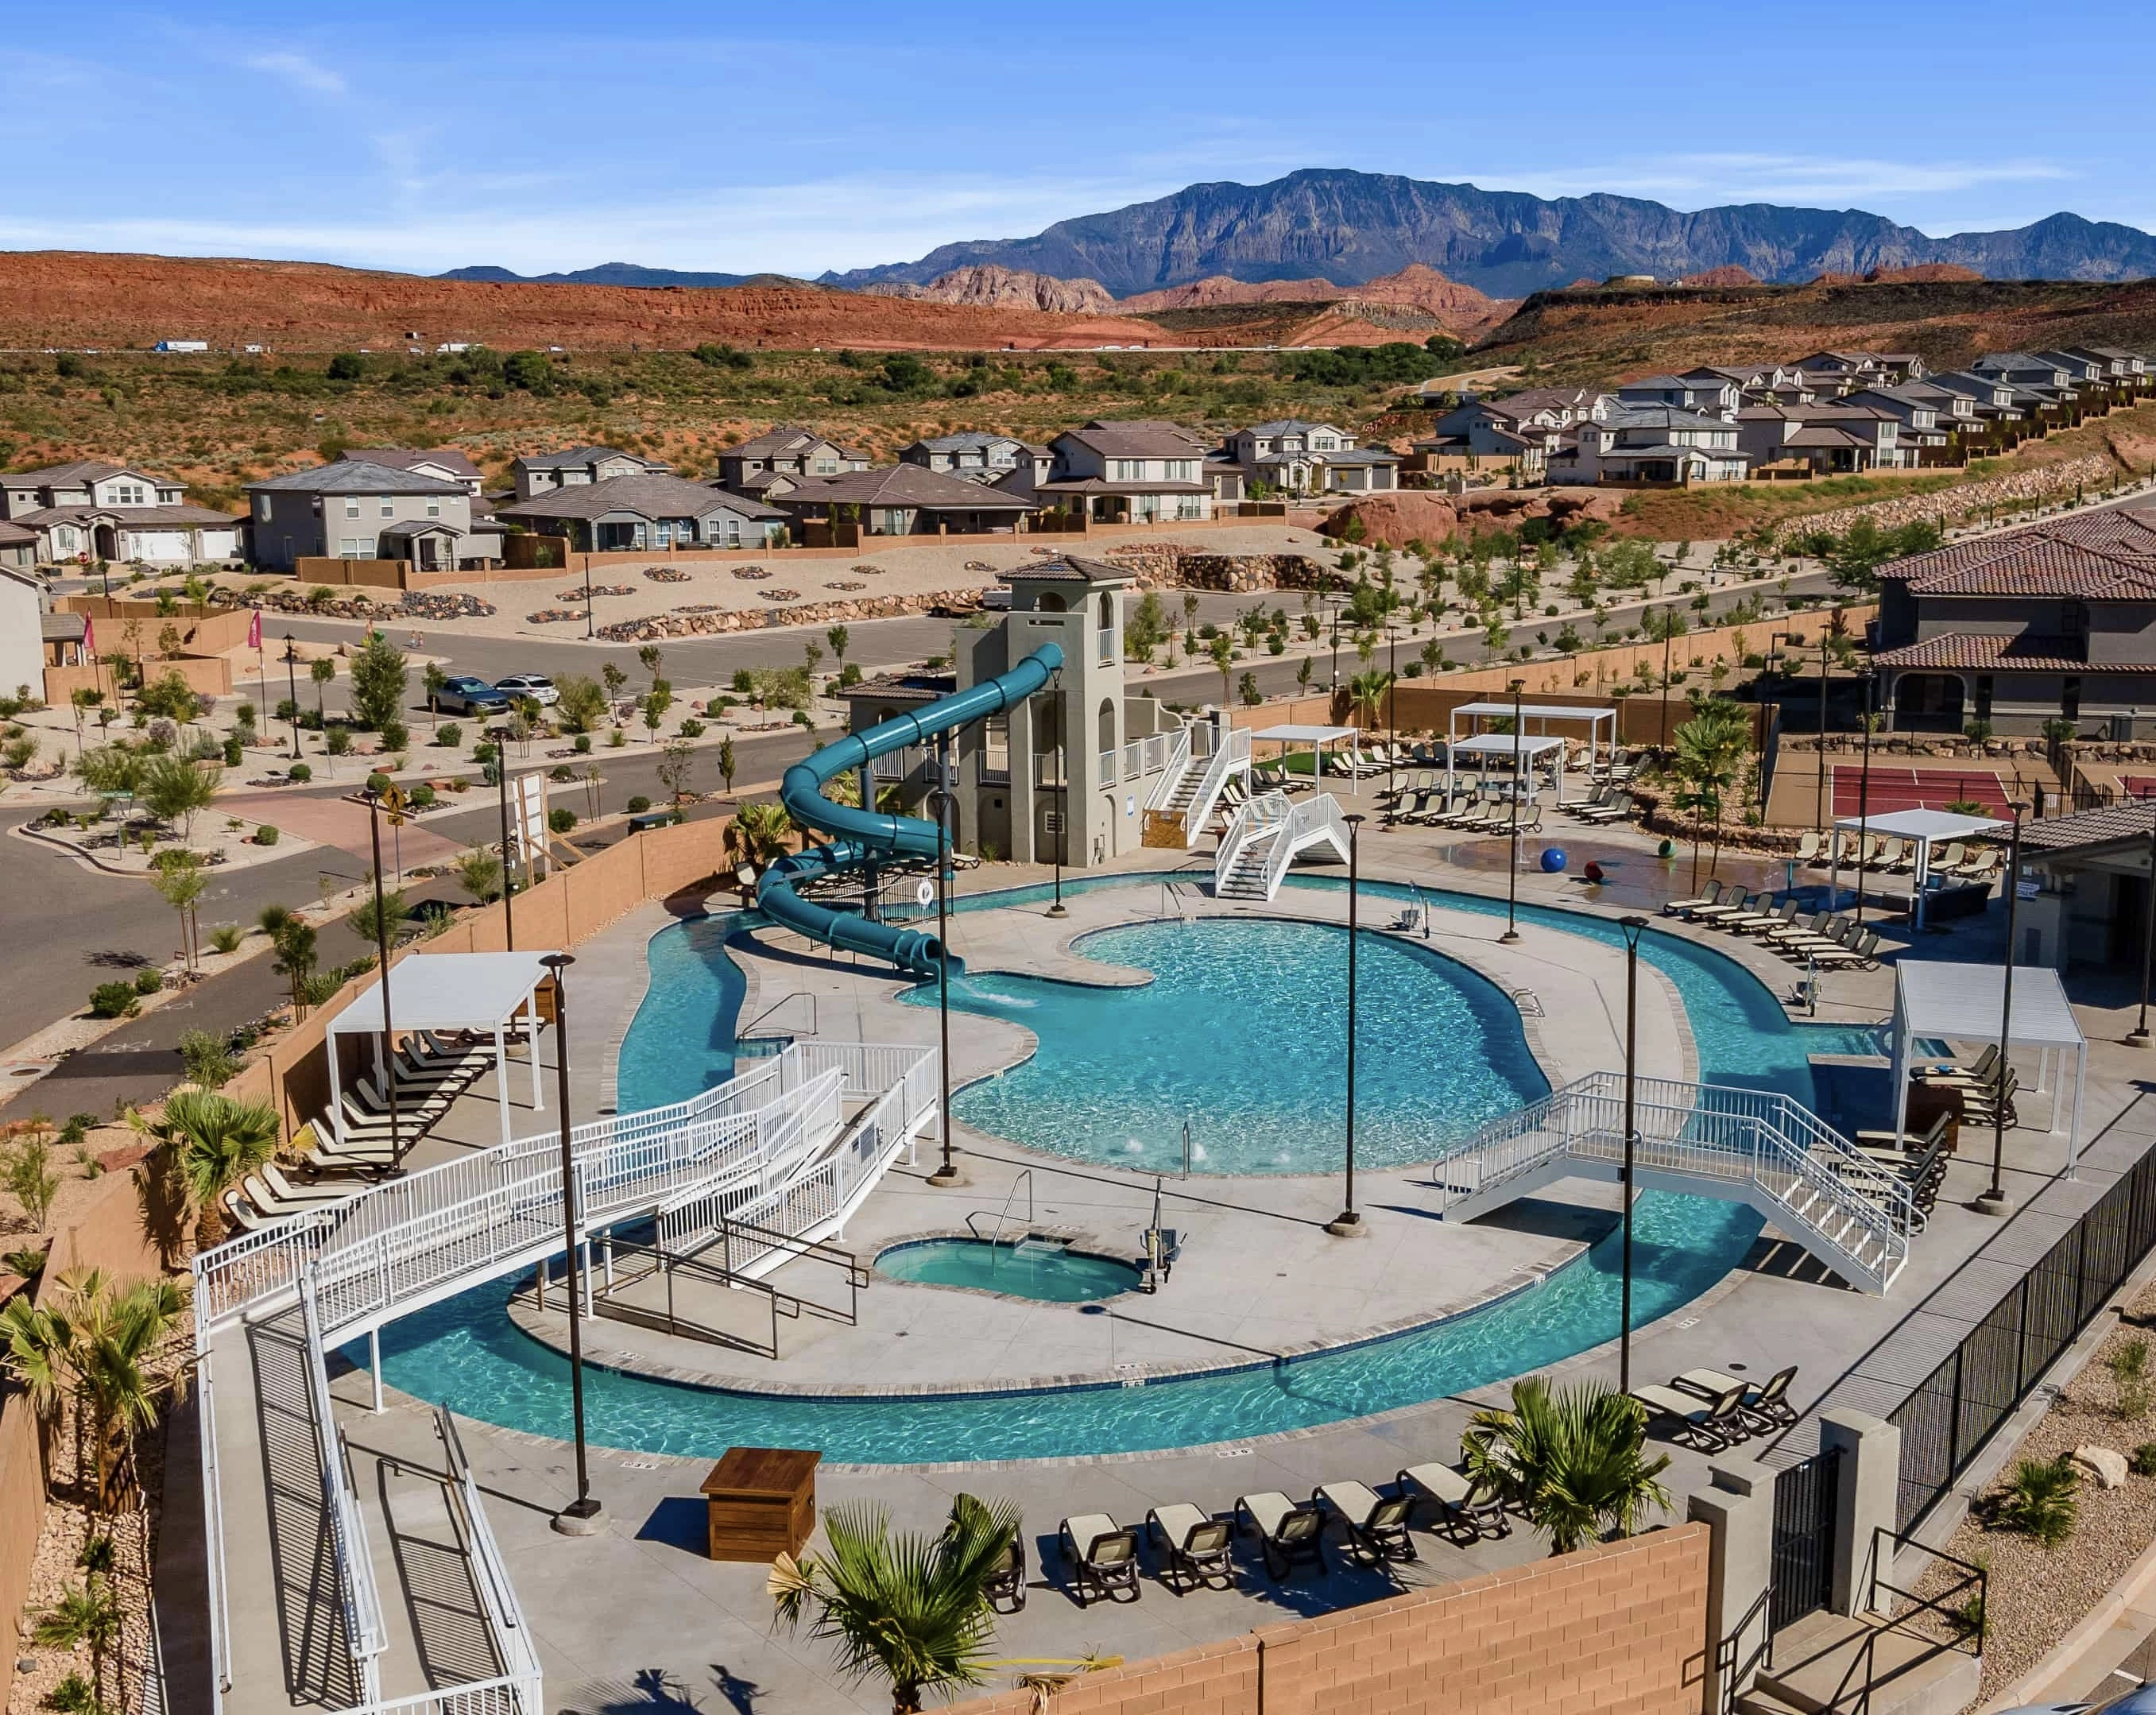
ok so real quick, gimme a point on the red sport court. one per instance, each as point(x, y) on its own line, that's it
point(1918, 790)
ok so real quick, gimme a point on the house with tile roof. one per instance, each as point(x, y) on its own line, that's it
point(1658, 446)
point(766, 466)
point(352, 509)
point(1134, 471)
point(2092, 886)
point(978, 456)
point(645, 512)
point(1831, 439)
point(906, 500)
point(1713, 395)
point(90, 510)
point(537, 473)
point(1290, 456)
point(2056, 621)
point(446, 462)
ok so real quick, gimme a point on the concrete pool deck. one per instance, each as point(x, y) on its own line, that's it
point(688, 1632)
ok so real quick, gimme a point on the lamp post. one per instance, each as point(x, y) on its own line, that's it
point(2138, 1037)
point(1392, 720)
point(1062, 797)
point(582, 1516)
point(1863, 798)
point(382, 954)
point(1994, 1200)
point(1513, 868)
point(588, 632)
point(946, 1173)
point(292, 686)
point(499, 735)
point(1633, 928)
point(1348, 1223)
point(1819, 786)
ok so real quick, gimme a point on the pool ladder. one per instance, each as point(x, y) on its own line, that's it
point(1024, 1178)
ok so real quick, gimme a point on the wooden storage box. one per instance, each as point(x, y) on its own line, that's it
point(761, 1502)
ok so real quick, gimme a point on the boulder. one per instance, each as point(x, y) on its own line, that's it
point(2108, 1467)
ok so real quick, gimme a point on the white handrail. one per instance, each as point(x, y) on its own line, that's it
point(1226, 758)
point(365, 1639)
point(1176, 757)
point(1308, 820)
point(504, 1616)
point(1259, 816)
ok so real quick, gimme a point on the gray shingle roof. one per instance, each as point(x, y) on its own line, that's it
point(356, 476)
point(575, 458)
point(649, 495)
point(903, 486)
point(404, 458)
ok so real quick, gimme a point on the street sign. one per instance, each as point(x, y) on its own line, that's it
point(395, 804)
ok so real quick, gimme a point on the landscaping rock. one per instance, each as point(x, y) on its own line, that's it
point(2108, 1467)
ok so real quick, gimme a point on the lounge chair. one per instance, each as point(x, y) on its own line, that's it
point(1006, 1578)
point(1765, 1405)
point(1808, 849)
point(1883, 1140)
point(1376, 1525)
point(1532, 822)
point(1713, 1425)
point(1782, 917)
point(1760, 914)
point(272, 1202)
point(1618, 811)
point(1103, 1556)
point(1475, 817)
point(1984, 866)
point(1889, 858)
point(1467, 1508)
point(1734, 904)
point(1710, 895)
point(1862, 954)
point(1199, 1547)
point(1983, 1070)
point(1286, 1532)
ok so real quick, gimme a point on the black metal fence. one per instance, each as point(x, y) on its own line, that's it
point(1806, 1497)
point(1946, 1422)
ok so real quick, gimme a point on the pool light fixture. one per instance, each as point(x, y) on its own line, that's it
point(1634, 927)
point(582, 1516)
point(1513, 869)
point(1348, 1223)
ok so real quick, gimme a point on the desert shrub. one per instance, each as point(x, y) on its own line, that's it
point(638, 804)
point(265, 835)
point(396, 736)
point(300, 773)
point(226, 937)
point(2142, 1461)
point(339, 741)
point(422, 796)
point(561, 819)
point(450, 734)
point(583, 745)
point(112, 1000)
point(378, 782)
point(149, 980)
point(2041, 1499)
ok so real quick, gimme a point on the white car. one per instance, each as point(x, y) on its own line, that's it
point(536, 687)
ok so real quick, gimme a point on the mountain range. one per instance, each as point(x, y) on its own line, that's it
point(1348, 227)
point(618, 274)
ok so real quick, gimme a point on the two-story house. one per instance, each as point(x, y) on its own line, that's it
point(1708, 395)
point(907, 500)
point(1659, 446)
point(538, 473)
point(766, 466)
point(1845, 372)
point(1923, 435)
point(353, 510)
point(1838, 437)
point(1518, 432)
point(1997, 413)
point(1138, 472)
point(93, 510)
point(978, 456)
point(1290, 456)
point(643, 512)
point(2054, 621)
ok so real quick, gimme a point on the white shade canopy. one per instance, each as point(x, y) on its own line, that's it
point(1964, 1002)
point(1506, 744)
point(446, 991)
point(1293, 734)
point(1538, 711)
point(1925, 825)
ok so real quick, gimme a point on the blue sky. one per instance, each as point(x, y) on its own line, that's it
point(547, 136)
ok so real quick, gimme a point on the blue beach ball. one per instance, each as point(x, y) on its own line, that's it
point(1553, 860)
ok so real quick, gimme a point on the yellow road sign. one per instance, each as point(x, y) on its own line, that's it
point(395, 803)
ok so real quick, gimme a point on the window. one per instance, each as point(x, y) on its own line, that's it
point(351, 508)
point(433, 506)
point(1983, 697)
point(262, 505)
point(733, 532)
point(2070, 697)
point(827, 466)
point(1182, 471)
point(388, 507)
point(353, 548)
point(1127, 470)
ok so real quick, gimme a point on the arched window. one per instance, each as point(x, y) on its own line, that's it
point(1107, 722)
point(1051, 603)
point(1107, 620)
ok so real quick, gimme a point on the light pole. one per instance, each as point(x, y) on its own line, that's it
point(946, 1173)
point(1994, 1200)
point(1513, 869)
point(1062, 794)
point(1348, 1223)
point(582, 1516)
point(1633, 928)
point(2138, 1037)
point(381, 953)
point(292, 686)
point(1863, 798)
point(588, 632)
point(499, 735)
point(1819, 786)
point(1392, 719)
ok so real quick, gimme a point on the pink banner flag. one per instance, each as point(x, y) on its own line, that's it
point(88, 635)
point(254, 630)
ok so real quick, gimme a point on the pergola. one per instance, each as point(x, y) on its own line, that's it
point(447, 991)
point(1317, 737)
point(1524, 750)
point(1957, 1003)
point(1477, 713)
point(1927, 828)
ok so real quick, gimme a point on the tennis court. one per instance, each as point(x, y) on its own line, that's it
point(1903, 788)
point(2137, 785)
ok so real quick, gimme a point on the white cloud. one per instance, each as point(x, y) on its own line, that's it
point(297, 69)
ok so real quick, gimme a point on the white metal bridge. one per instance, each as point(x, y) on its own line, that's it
point(1267, 835)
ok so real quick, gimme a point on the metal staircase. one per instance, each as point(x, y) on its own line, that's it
point(1266, 836)
point(1743, 1146)
point(1190, 791)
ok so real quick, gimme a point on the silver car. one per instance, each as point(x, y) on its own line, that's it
point(536, 687)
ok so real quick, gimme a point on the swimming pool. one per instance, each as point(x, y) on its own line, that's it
point(1240, 1033)
point(1022, 1269)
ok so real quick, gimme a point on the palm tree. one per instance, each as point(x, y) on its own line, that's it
point(1367, 689)
point(1709, 749)
point(88, 1613)
point(108, 1337)
point(35, 1357)
point(1573, 1462)
point(913, 1608)
point(215, 1142)
point(759, 832)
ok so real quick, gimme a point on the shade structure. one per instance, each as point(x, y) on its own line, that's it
point(1523, 750)
point(1317, 737)
point(1592, 717)
point(1963, 1002)
point(447, 991)
point(1925, 829)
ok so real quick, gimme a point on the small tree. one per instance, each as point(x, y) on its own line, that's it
point(31, 1177)
point(213, 1142)
point(616, 682)
point(321, 670)
point(728, 763)
point(478, 873)
point(1575, 1461)
point(650, 656)
point(371, 926)
point(87, 1616)
point(1223, 650)
point(209, 1062)
point(583, 705)
point(675, 759)
point(759, 832)
point(293, 940)
point(180, 883)
point(176, 790)
point(839, 637)
point(378, 682)
point(435, 680)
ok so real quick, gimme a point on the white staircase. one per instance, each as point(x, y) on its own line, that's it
point(1266, 836)
point(1743, 1146)
point(1190, 788)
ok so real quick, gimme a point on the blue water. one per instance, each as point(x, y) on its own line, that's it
point(1046, 1272)
point(467, 1352)
point(681, 1042)
point(1241, 1032)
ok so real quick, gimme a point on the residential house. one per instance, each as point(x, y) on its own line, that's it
point(2129, 372)
point(1518, 432)
point(1845, 372)
point(542, 472)
point(1290, 456)
point(977, 456)
point(446, 463)
point(646, 512)
point(1830, 439)
point(2092, 891)
point(1138, 472)
point(1925, 438)
point(2054, 621)
point(906, 500)
point(93, 510)
point(2045, 390)
point(1999, 412)
point(1751, 378)
point(22, 645)
point(1658, 445)
point(1710, 396)
point(19, 547)
point(354, 510)
point(770, 464)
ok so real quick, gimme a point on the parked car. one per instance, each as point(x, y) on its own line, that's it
point(463, 694)
point(536, 686)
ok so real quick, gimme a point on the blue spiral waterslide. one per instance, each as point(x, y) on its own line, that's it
point(865, 836)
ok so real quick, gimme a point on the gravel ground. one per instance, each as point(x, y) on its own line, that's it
point(2037, 1594)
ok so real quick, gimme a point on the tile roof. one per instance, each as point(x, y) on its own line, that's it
point(1068, 568)
point(356, 476)
point(1137, 438)
point(2107, 826)
point(779, 438)
point(16, 532)
point(568, 458)
point(81, 471)
point(1981, 651)
point(2108, 555)
point(147, 516)
point(966, 440)
point(903, 486)
point(649, 494)
point(404, 458)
